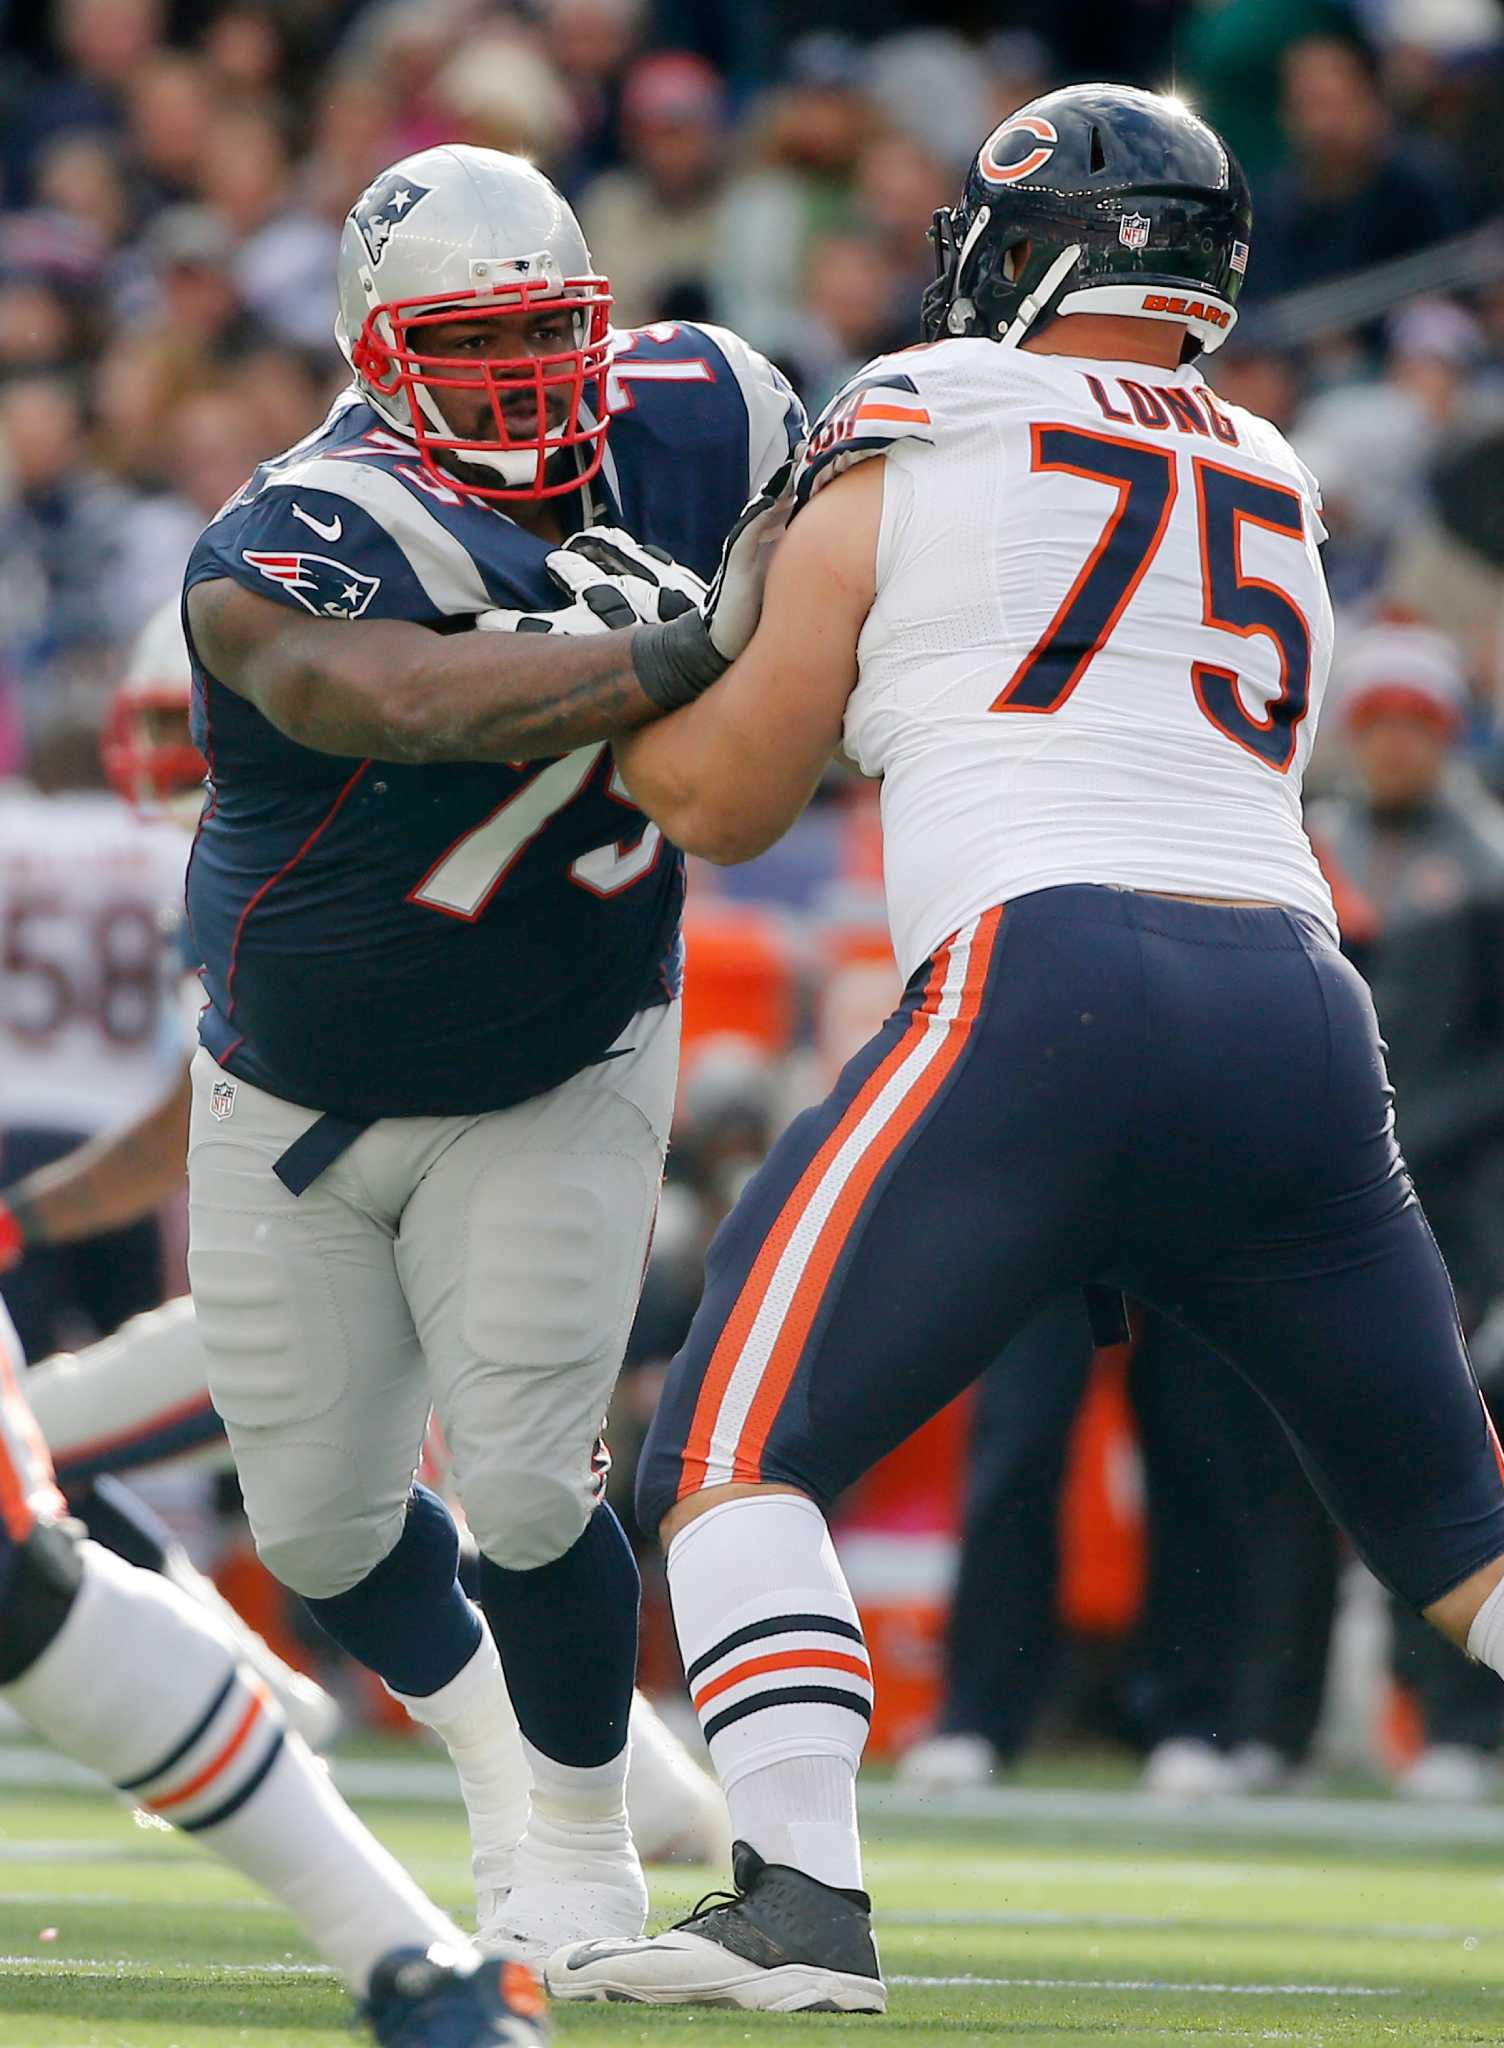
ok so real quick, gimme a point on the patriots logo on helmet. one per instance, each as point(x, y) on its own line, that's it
point(382, 206)
point(321, 585)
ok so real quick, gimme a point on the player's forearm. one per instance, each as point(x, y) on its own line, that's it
point(399, 692)
point(112, 1181)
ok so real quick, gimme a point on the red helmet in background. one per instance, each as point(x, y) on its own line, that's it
point(147, 746)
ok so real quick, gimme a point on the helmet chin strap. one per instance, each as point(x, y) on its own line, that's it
point(1030, 308)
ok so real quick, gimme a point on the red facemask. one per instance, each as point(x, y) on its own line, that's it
point(147, 757)
point(521, 392)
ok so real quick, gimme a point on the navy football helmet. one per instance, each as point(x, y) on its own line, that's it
point(1128, 202)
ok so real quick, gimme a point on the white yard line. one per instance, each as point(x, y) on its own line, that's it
point(1148, 1984)
point(430, 1781)
point(103, 1966)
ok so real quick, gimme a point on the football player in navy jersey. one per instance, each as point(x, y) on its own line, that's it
point(441, 954)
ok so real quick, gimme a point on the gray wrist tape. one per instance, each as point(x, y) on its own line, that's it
point(676, 661)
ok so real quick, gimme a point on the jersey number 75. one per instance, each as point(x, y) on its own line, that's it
point(1144, 478)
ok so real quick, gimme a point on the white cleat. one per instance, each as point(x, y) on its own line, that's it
point(781, 1943)
point(677, 1811)
point(570, 1881)
point(1184, 1769)
point(950, 1763)
point(1450, 1774)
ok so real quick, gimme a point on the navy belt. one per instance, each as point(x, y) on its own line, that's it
point(321, 1144)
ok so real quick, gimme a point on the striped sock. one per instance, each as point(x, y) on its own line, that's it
point(778, 1671)
point(186, 1733)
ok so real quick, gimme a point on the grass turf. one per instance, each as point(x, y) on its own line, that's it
point(114, 1935)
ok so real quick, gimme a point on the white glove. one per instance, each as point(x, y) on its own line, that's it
point(609, 581)
point(618, 553)
point(676, 661)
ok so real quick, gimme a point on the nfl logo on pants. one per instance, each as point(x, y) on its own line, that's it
point(222, 1100)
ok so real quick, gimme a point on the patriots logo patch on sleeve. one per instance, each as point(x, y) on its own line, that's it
point(381, 206)
point(321, 585)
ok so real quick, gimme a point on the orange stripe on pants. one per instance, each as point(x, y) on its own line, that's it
point(783, 1362)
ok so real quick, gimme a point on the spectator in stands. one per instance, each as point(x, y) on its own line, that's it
point(805, 148)
point(852, 310)
point(171, 115)
point(283, 254)
point(70, 520)
point(591, 44)
point(1416, 850)
point(102, 45)
point(1349, 193)
point(653, 225)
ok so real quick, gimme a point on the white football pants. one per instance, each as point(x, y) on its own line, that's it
point(486, 1265)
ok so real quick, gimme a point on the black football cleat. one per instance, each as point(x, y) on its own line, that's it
point(781, 1942)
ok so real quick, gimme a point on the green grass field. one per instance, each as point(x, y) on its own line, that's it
point(1055, 1923)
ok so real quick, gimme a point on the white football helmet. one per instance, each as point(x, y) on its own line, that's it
point(457, 232)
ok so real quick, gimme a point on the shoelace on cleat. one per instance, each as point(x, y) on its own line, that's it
point(713, 1902)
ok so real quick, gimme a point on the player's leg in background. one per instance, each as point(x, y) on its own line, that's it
point(136, 1398)
point(1182, 1679)
point(192, 1737)
point(1282, 1227)
point(521, 1255)
point(1001, 1633)
point(315, 1367)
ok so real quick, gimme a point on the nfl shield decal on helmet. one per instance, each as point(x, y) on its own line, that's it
point(320, 584)
point(222, 1100)
point(381, 206)
point(1133, 231)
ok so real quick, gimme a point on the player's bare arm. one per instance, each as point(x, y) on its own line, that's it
point(726, 776)
point(104, 1185)
point(402, 692)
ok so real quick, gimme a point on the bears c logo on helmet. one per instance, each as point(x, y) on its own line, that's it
point(1003, 140)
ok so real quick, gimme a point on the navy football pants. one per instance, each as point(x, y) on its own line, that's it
point(1186, 1101)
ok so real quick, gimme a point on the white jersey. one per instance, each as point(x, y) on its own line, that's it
point(91, 900)
point(1100, 637)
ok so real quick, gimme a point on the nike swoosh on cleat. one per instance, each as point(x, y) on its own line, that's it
point(331, 532)
point(604, 1952)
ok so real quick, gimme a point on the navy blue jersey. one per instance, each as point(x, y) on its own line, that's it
point(380, 939)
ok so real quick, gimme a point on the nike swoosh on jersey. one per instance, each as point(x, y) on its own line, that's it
point(330, 530)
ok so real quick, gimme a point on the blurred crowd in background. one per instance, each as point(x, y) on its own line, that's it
point(172, 182)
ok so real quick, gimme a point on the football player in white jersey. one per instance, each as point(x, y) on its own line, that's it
point(1075, 618)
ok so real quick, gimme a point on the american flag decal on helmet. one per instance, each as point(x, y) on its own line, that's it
point(327, 588)
point(1238, 260)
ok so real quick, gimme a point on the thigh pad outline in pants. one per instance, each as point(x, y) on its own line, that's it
point(313, 1363)
point(522, 1255)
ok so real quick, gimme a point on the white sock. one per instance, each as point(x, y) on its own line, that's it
point(578, 1795)
point(1485, 1638)
point(184, 1732)
point(778, 1672)
point(473, 1716)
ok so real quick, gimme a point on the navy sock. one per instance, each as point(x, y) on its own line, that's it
point(407, 1620)
point(567, 1633)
